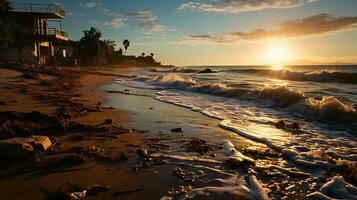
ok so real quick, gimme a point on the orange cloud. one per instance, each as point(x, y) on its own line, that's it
point(313, 25)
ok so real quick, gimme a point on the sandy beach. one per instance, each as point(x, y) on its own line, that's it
point(111, 141)
point(70, 99)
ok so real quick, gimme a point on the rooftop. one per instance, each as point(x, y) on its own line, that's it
point(46, 10)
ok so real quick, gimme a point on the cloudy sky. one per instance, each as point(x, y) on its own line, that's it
point(225, 32)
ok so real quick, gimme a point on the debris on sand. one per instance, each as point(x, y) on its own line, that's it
point(78, 195)
point(75, 192)
point(236, 163)
point(95, 189)
point(198, 145)
point(143, 152)
point(177, 130)
point(23, 148)
point(108, 121)
point(293, 126)
point(236, 159)
point(180, 173)
point(179, 192)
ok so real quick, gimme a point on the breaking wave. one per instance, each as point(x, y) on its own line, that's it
point(327, 108)
point(314, 76)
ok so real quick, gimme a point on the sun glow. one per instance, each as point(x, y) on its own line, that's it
point(276, 56)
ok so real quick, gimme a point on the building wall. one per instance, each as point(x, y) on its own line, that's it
point(25, 54)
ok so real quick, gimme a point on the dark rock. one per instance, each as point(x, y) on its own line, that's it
point(143, 152)
point(177, 130)
point(235, 163)
point(280, 124)
point(180, 173)
point(198, 145)
point(108, 121)
point(95, 189)
point(206, 71)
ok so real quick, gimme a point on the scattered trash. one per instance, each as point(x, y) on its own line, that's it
point(78, 195)
point(22, 148)
point(177, 130)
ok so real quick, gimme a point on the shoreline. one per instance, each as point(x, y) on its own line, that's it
point(129, 145)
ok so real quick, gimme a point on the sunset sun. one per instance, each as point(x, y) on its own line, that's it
point(193, 99)
point(276, 56)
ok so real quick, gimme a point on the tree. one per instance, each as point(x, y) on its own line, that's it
point(126, 44)
point(108, 50)
point(6, 37)
point(152, 55)
point(142, 54)
point(120, 52)
point(91, 47)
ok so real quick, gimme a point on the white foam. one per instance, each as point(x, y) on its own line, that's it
point(185, 158)
point(233, 187)
point(337, 188)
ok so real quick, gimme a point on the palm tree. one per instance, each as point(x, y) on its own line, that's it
point(126, 44)
point(92, 33)
point(142, 54)
point(152, 54)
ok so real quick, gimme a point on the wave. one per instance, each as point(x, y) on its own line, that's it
point(328, 108)
point(314, 76)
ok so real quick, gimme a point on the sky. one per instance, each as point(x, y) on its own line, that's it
point(222, 32)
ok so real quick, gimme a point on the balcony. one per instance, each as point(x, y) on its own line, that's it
point(44, 10)
point(57, 33)
point(51, 34)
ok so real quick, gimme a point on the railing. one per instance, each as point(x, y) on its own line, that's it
point(54, 31)
point(38, 8)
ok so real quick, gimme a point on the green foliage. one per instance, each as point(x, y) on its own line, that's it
point(6, 37)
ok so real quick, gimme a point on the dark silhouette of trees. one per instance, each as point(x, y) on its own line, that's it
point(120, 52)
point(126, 44)
point(93, 51)
point(89, 50)
point(6, 37)
point(108, 50)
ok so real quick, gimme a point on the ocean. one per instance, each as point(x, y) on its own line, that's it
point(306, 113)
